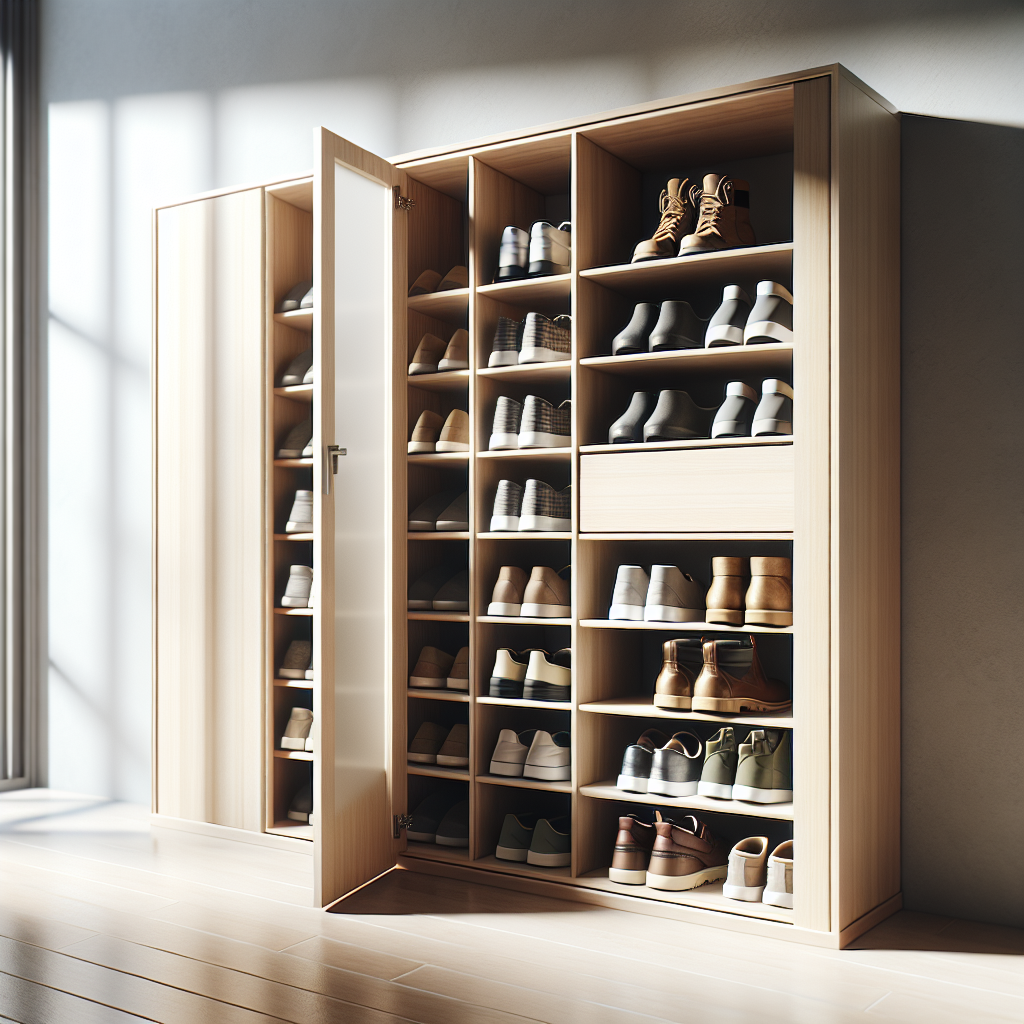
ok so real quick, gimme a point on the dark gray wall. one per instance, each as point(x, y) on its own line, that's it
point(150, 100)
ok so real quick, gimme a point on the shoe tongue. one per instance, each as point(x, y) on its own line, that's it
point(711, 182)
point(672, 188)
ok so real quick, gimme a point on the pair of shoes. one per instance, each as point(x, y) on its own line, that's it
point(536, 339)
point(296, 732)
point(674, 325)
point(532, 675)
point(536, 508)
point(532, 754)
point(445, 511)
point(541, 251)
point(442, 818)
point(666, 766)
point(438, 670)
point(531, 839)
point(432, 434)
point(743, 415)
point(442, 588)
point(720, 208)
point(759, 770)
point(431, 281)
point(543, 594)
point(298, 591)
point(668, 595)
point(297, 662)
point(668, 855)
point(756, 877)
point(437, 744)
point(298, 371)
point(719, 676)
point(300, 519)
point(534, 424)
point(767, 600)
point(301, 806)
point(432, 355)
point(299, 297)
point(298, 442)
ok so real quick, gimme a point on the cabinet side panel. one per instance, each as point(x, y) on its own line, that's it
point(209, 511)
point(811, 569)
point(866, 504)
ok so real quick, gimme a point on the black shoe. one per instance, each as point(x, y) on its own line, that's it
point(633, 338)
point(629, 427)
point(726, 326)
point(677, 417)
point(736, 413)
point(677, 327)
point(301, 806)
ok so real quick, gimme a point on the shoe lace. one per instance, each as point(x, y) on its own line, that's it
point(673, 210)
point(711, 206)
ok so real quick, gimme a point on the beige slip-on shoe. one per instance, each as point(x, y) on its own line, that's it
point(455, 432)
point(431, 669)
point(507, 596)
point(547, 594)
point(425, 433)
point(427, 356)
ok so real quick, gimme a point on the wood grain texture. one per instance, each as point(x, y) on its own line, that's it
point(209, 511)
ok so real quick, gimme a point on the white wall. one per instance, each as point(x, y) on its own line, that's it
point(148, 100)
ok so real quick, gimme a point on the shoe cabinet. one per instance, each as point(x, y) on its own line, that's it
point(821, 153)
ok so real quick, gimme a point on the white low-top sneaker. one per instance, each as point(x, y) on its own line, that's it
point(629, 595)
point(747, 870)
point(778, 890)
point(549, 758)
point(513, 253)
point(510, 752)
point(300, 519)
point(296, 732)
point(549, 676)
point(298, 591)
point(550, 248)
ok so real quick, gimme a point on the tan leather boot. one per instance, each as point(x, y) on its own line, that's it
point(724, 221)
point(677, 215)
point(733, 681)
point(681, 662)
point(725, 598)
point(769, 597)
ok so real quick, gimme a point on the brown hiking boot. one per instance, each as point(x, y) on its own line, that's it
point(732, 680)
point(769, 597)
point(686, 854)
point(724, 221)
point(725, 598)
point(677, 214)
point(632, 851)
point(682, 660)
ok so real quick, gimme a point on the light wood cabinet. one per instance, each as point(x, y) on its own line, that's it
point(821, 153)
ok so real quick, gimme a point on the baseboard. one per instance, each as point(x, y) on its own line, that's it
point(865, 923)
point(236, 835)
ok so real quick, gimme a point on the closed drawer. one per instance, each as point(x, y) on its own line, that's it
point(690, 490)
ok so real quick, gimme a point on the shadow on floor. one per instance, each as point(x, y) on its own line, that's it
point(910, 930)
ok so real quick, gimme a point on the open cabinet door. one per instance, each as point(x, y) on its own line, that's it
point(359, 268)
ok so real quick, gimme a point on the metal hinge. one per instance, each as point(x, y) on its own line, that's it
point(400, 821)
point(332, 453)
point(402, 202)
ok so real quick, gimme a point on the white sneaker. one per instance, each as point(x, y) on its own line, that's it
point(674, 596)
point(549, 757)
point(779, 890)
point(513, 253)
point(629, 595)
point(549, 677)
point(550, 248)
point(510, 752)
point(300, 519)
point(296, 732)
point(298, 592)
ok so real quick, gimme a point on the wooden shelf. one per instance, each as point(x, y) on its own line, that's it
point(523, 620)
point(776, 357)
point(296, 684)
point(293, 611)
point(434, 772)
point(609, 791)
point(436, 457)
point(423, 693)
point(519, 783)
point(782, 536)
point(526, 535)
point(528, 453)
point(292, 829)
point(664, 279)
point(700, 442)
point(529, 373)
point(632, 707)
point(294, 755)
point(438, 616)
point(299, 319)
point(681, 627)
point(431, 851)
point(294, 536)
point(438, 535)
point(446, 380)
point(294, 463)
point(527, 290)
point(510, 867)
point(521, 702)
point(451, 306)
point(298, 392)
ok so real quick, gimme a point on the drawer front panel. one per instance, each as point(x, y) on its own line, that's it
point(691, 490)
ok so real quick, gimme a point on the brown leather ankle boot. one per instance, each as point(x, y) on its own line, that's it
point(732, 680)
point(682, 660)
point(770, 594)
point(725, 598)
point(677, 216)
point(724, 221)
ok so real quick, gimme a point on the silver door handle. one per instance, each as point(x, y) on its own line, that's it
point(332, 453)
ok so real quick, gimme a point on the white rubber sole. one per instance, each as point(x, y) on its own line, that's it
point(629, 612)
point(632, 784)
point(500, 608)
point(421, 758)
point(680, 883)
point(448, 761)
point(452, 446)
point(715, 789)
point(778, 899)
point(503, 358)
point(538, 439)
point(513, 853)
point(724, 335)
point(452, 364)
point(660, 787)
point(295, 602)
point(419, 447)
point(758, 617)
point(293, 527)
point(546, 611)
point(416, 369)
point(562, 773)
point(293, 742)
point(502, 442)
point(747, 893)
point(504, 524)
point(669, 613)
point(510, 769)
point(543, 524)
point(624, 877)
point(549, 860)
point(770, 428)
point(762, 796)
point(427, 683)
point(536, 354)
point(762, 331)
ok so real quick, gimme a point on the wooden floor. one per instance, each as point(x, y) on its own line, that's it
point(103, 918)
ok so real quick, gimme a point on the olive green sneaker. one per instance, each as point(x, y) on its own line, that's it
point(550, 845)
point(720, 759)
point(516, 836)
point(765, 771)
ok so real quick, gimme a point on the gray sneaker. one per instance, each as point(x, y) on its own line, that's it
point(545, 425)
point(508, 342)
point(771, 319)
point(551, 843)
point(516, 837)
point(545, 509)
point(774, 413)
point(508, 506)
point(677, 417)
point(298, 369)
point(726, 326)
point(736, 413)
point(544, 340)
point(453, 829)
point(508, 415)
point(637, 760)
point(676, 767)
